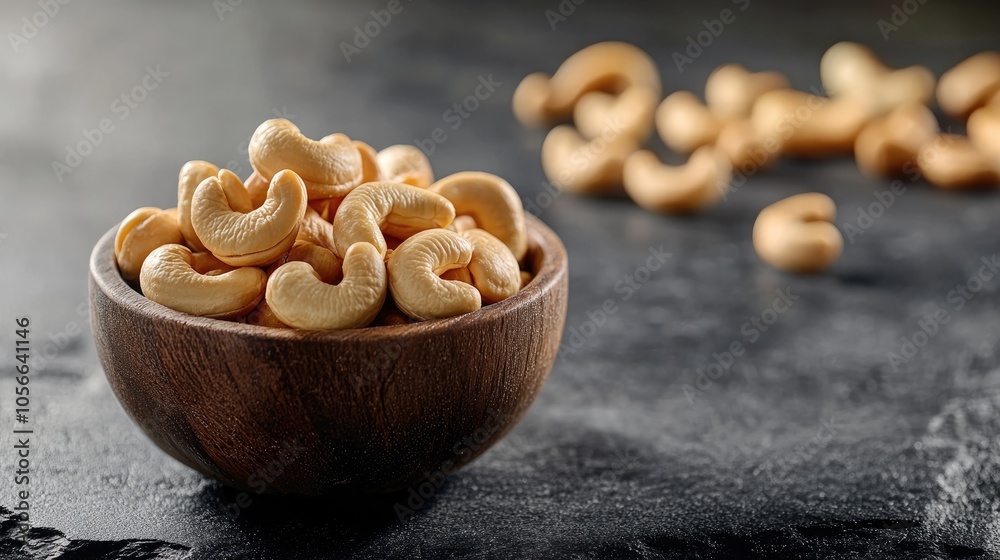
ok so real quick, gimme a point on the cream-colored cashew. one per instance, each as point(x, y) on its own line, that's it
point(330, 167)
point(583, 166)
point(415, 269)
point(191, 175)
point(314, 229)
point(369, 162)
point(256, 186)
point(139, 234)
point(699, 183)
point(747, 151)
point(324, 261)
point(984, 130)
point(299, 297)
point(491, 202)
point(169, 278)
point(970, 84)
point(493, 270)
point(462, 223)
point(888, 145)
point(852, 69)
point(953, 162)
point(254, 238)
point(731, 90)
point(685, 123)
point(375, 209)
point(611, 67)
point(797, 234)
point(798, 124)
point(407, 164)
point(629, 113)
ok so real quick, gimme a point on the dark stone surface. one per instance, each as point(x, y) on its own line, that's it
point(810, 445)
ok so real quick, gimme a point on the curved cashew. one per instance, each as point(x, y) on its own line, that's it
point(580, 166)
point(630, 113)
point(888, 144)
point(407, 164)
point(685, 123)
point(953, 162)
point(970, 84)
point(796, 234)
point(369, 162)
point(746, 150)
point(255, 238)
point(415, 269)
point(731, 90)
point(853, 69)
point(492, 204)
point(324, 261)
point(139, 234)
point(299, 297)
point(169, 278)
point(375, 209)
point(804, 125)
point(493, 270)
point(329, 168)
point(610, 67)
point(191, 175)
point(699, 183)
point(984, 129)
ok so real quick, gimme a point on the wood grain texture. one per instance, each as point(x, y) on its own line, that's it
point(314, 413)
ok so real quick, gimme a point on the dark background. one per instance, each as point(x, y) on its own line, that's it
point(811, 445)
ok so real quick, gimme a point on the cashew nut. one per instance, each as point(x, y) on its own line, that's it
point(324, 261)
point(140, 233)
point(738, 140)
point(330, 167)
point(462, 223)
point(491, 202)
point(685, 123)
point(169, 278)
point(299, 297)
point(254, 238)
point(731, 90)
point(630, 113)
point(369, 162)
point(396, 209)
point(577, 165)
point(699, 183)
point(803, 125)
point(970, 84)
point(887, 145)
point(493, 270)
point(415, 269)
point(953, 162)
point(854, 70)
point(611, 67)
point(404, 163)
point(191, 175)
point(797, 234)
point(314, 229)
point(984, 130)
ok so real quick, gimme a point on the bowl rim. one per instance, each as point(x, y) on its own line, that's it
point(546, 251)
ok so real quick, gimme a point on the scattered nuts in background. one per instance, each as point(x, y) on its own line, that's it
point(701, 182)
point(797, 234)
point(971, 84)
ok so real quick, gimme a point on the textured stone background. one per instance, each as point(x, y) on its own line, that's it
point(811, 444)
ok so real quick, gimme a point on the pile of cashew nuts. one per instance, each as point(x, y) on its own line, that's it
point(328, 234)
point(611, 92)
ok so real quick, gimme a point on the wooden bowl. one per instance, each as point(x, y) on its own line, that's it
point(285, 411)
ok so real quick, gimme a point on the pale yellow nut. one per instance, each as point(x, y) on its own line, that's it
point(369, 162)
point(852, 69)
point(611, 67)
point(375, 210)
point(952, 162)
point(256, 186)
point(747, 151)
point(491, 203)
point(254, 238)
point(330, 167)
point(314, 229)
point(324, 261)
point(685, 123)
point(799, 124)
point(191, 175)
point(888, 146)
point(299, 297)
point(139, 234)
point(797, 234)
point(169, 278)
point(984, 130)
point(698, 184)
point(493, 270)
point(462, 223)
point(404, 163)
point(731, 90)
point(582, 166)
point(629, 113)
point(415, 270)
point(970, 84)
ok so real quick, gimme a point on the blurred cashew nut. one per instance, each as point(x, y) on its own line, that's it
point(583, 166)
point(699, 183)
point(796, 234)
point(984, 130)
point(852, 69)
point(799, 124)
point(630, 113)
point(685, 123)
point(731, 90)
point(404, 163)
point(970, 84)
point(888, 146)
point(951, 161)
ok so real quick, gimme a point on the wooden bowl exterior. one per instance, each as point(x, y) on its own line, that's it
point(285, 411)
